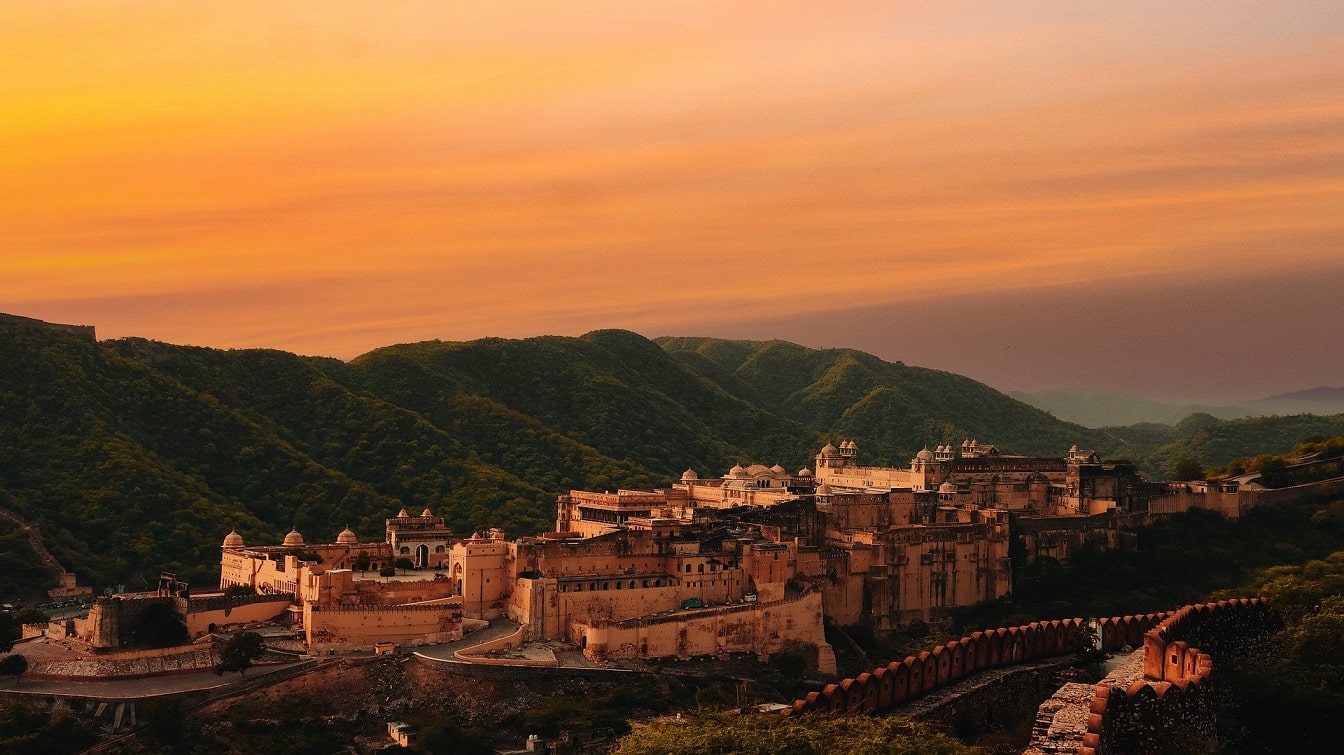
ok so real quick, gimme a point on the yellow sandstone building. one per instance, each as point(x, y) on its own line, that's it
point(751, 562)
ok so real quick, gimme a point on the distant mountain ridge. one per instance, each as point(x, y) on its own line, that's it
point(135, 456)
point(1104, 408)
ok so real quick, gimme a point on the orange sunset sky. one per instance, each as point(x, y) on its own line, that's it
point(1146, 196)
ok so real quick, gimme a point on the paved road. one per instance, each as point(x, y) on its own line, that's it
point(498, 628)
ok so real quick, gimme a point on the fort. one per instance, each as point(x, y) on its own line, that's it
point(754, 561)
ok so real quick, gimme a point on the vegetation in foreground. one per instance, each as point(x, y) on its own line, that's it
point(725, 733)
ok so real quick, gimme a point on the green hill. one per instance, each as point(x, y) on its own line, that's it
point(892, 409)
point(136, 456)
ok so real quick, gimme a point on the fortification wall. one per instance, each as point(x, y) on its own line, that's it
point(343, 628)
point(889, 686)
point(1172, 705)
point(206, 616)
point(761, 628)
point(112, 620)
point(1279, 495)
point(130, 665)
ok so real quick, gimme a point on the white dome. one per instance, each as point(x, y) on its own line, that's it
point(293, 538)
point(925, 455)
point(233, 540)
point(804, 472)
point(828, 450)
point(690, 475)
point(347, 537)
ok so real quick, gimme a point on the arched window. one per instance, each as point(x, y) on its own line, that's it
point(438, 549)
point(701, 569)
point(688, 568)
point(606, 585)
point(632, 584)
point(405, 551)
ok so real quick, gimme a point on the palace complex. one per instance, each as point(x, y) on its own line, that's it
point(753, 561)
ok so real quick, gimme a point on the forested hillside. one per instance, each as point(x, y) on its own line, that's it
point(136, 456)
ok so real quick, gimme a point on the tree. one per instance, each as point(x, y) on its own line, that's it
point(30, 615)
point(238, 591)
point(1187, 469)
point(387, 571)
point(13, 665)
point(239, 652)
point(404, 563)
point(361, 562)
point(9, 632)
point(159, 626)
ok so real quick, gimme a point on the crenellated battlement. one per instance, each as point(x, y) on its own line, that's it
point(888, 686)
point(1172, 700)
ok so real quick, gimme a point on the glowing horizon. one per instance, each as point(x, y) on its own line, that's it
point(330, 178)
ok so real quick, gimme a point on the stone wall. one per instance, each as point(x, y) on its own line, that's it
point(354, 627)
point(131, 665)
point(760, 628)
point(888, 686)
point(1172, 706)
point(206, 615)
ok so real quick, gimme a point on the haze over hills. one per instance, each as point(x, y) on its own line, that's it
point(135, 456)
point(1102, 408)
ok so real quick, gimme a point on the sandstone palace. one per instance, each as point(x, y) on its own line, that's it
point(754, 561)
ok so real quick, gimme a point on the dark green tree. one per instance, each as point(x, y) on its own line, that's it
point(361, 562)
point(13, 665)
point(160, 626)
point(239, 652)
point(238, 591)
point(1187, 469)
point(9, 632)
point(404, 563)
